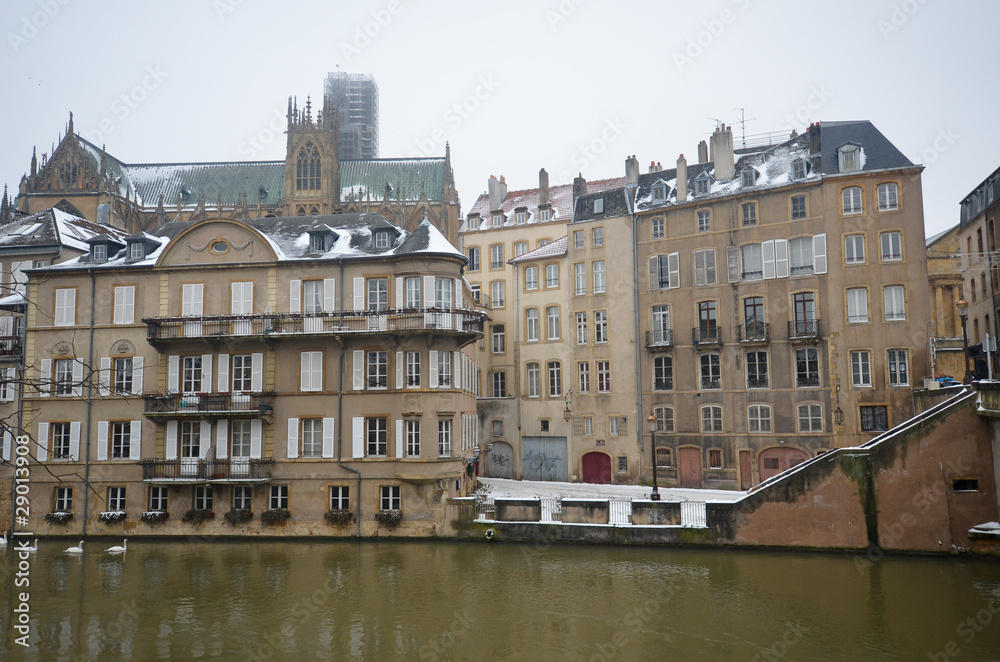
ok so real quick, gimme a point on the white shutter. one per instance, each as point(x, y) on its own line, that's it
point(138, 365)
point(674, 270)
point(328, 432)
point(135, 440)
point(105, 376)
point(428, 291)
point(733, 263)
point(399, 439)
point(819, 254)
point(654, 272)
point(77, 378)
point(433, 361)
point(699, 268)
point(359, 370)
point(43, 442)
point(767, 253)
point(8, 443)
point(293, 438)
point(295, 296)
point(171, 440)
point(781, 258)
point(358, 437)
point(399, 294)
point(359, 294)
point(205, 438)
point(256, 428)
point(173, 373)
point(102, 440)
point(45, 379)
point(222, 439)
point(192, 299)
point(329, 295)
point(459, 294)
point(223, 379)
point(257, 372)
point(74, 440)
point(206, 373)
point(124, 305)
point(456, 370)
point(399, 370)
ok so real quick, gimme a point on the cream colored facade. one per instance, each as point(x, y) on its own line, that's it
point(945, 274)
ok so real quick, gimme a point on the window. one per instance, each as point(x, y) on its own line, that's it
point(99, 252)
point(804, 309)
point(894, 300)
point(578, 239)
point(598, 236)
point(660, 323)
point(702, 184)
point(850, 158)
point(663, 460)
point(534, 388)
point(758, 418)
point(751, 262)
point(659, 193)
point(531, 324)
point(390, 497)
point(64, 499)
point(242, 497)
point(474, 258)
point(444, 438)
point(317, 242)
point(892, 247)
point(753, 318)
point(551, 275)
point(158, 499)
point(749, 213)
point(239, 438)
point(798, 207)
point(583, 372)
point(664, 421)
point(413, 438)
point(854, 249)
point(65, 313)
point(382, 239)
point(376, 436)
point(861, 369)
point(477, 293)
point(413, 369)
point(888, 197)
point(580, 278)
point(378, 294)
point(604, 377)
point(711, 372)
point(308, 168)
point(552, 322)
point(715, 458)
point(581, 328)
point(555, 378)
point(519, 217)
point(312, 437)
point(598, 205)
point(874, 418)
point(412, 288)
point(520, 248)
point(497, 428)
point(857, 305)
point(279, 493)
point(600, 326)
point(312, 296)
point(588, 425)
point(663, 373)
point(531, 278)
point(757, 370)
point(496, 256)
point(121, 439)
point(497, 294)
point(377, 362)
point(708, 323)
point(807, 367)
point(801, 250)
point(190, 439)
point(613, 426)
point(311, 364)
point(499, 384)
point(499, 339)
point(61, 437)
point(63, 377)
point(124, 312)
point(810, 418)
point(705, 272)
point(851, 200)
point(623, 464)
point(899, 373)
point(543, 242)
point(600, 284)
point(543, 215)
point(242, 372)
point(657, 228)
point(444, 369)
point(203, 497)
point(473, 222)
point(711, 418)
point(136, 251)
point(798, 169)
point(123, 376)
point(498, 220)
point(748, 177)
point(704, 220)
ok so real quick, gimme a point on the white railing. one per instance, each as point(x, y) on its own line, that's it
point(551, 510)
point(620, 511)
point(485, 510)
point(693, 514)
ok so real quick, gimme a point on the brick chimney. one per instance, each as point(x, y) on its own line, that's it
point(579, 186)
point(682, 179)
point(498, 191)
point(722, 153)
point(543, 187)
point(702, 152)
point(631, 170)
point(815, 145)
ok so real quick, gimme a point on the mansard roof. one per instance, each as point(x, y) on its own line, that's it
point(556, 248)
point(52, 228)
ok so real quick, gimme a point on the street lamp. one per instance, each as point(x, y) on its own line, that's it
point(838, 413)
point(963, 313)
point(655, 496)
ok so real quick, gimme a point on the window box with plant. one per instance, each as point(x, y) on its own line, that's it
point(339, 517)
point(390, 519)
point(274, 516)
point(112, 516)
point(198, 515)
point(58, 517)
point(240, 516)
point(154, 516)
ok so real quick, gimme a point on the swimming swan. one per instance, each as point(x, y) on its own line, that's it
point(75, 550)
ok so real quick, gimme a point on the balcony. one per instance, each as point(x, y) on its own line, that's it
point(192, 471)
point(755, 333)
point(659, 338)
point(804, 331)
point(207, 405)
point(706, 336)
point(275, 326)
point(10, 348)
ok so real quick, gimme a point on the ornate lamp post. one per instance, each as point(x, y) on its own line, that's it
point(655, 496)
point(963, 313)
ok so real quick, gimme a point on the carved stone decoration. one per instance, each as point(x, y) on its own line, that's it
point(62, 349)
point(200, 249)
point(412, 405)
point(123, 347)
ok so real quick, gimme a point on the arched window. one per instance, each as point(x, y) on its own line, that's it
point(308, 168)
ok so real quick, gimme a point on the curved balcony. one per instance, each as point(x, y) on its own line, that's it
point(207, 405)
point(192, 471)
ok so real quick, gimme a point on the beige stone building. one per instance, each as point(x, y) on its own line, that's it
point(944, 269)
point(298, 375)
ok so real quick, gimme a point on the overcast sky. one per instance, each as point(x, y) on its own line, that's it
point(568, 85)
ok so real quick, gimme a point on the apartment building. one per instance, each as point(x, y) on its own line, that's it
point(295, 376)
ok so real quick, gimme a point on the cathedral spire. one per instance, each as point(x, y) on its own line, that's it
point(34, 161)
point(69, 127)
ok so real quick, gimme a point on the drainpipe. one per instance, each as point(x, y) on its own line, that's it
point(629, 192)
point(90, 399)
point(340, 415)
point(517, 357)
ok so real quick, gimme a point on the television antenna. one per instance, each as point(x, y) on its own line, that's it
point(743, 125)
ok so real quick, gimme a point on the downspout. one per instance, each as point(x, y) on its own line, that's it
point(90, 400)
point(635, 324)
point(340, 414)
point(517, 354)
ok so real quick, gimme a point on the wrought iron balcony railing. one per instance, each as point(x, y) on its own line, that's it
point(660, 338)
point(804, 330)
point(10, 348)
point(706, 335)
point(193, 470)
point(755, 332)
point(242, 404)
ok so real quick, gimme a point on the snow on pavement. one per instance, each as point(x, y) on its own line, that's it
point(504, 488)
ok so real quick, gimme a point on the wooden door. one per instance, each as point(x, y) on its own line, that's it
point(690, 466)
point(596, 468)
point(746, 470)
point(775, 460)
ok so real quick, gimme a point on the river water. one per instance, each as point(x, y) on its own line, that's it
point(435, 600)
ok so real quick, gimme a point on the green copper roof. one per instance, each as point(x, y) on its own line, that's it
point(407, 177)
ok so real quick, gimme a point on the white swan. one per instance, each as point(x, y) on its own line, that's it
point(118, 549)
point(33, 548)
point(75, 550)
point(3, 540)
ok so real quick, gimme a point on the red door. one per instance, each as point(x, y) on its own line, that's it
point(690, 466)
point(746, 471)
point(596, 468)
point(775, 460)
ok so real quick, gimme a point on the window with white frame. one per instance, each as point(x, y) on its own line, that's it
point(800, 252)
point(499, 339)
point(850, 158)
point(242, 372)
point(444, 438)
point(660, 323)
point(413, 438)
point(899, 368)
point(758, 418)
point(810, 417)
point(588, 425)
point(122, 376)
point(861, 368)
point(551, 275)
point(65, 309)
point(604, 376)
point(597, 236)
point(598, 205)
point(240, 433)
point(600, 326)
point(544, 215)
point(600, 284)
point(497, 294)
point(751, 262)
point(892, 246)
point(520, 248)
point(203, 497)
point(473, 222)
point(888, 197)
point(798, 207)
point(63, 377)
point(552, 322)
point(583, 376)
point(124, 311)
point(857, 305)
point(555, 378)
point(378, 294)
point(340, 497)
point(659, 192)
point(704, 220)
point(854, 249)
point(158, 499)
point(894, 302)
point(413, 369)
point(496, 256)
point(534, 386)
point(64, 499)
point(581, 328)
point(748, 177)
point(711, 418)
point(664, 419)
point(663, 373)
point(476, 289)
point(531, 278)
point(390, 497)
point(190, 432)
point(711, 371)
point(443, 293)
point(702, 184)
point(657, 228)
point(377, 362)
point(377, 436)
point(578, 240)
point(474, 258)
point(519, 217)
point(62, 434)
point(498, 220)
point(242, 497)
point(757, 376)
point(444, 368)
point(279, 493)
point(580, 278)
point(851, 200)
point(705, 272)
point(749, 213)
point(613, 426)
point(121, 439)
point(499, 384)
point(311, 368)
point(531, 325)
point(312, 437)
point(412, 285)
point(798, 169)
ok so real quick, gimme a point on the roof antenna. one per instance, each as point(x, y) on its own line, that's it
point(718, 122)
point(743, 126)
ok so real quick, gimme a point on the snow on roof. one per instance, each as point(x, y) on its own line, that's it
point(552, 249)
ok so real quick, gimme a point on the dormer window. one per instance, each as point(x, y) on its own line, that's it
point(850, 158)
point(474, 222)
point(748, 178)
point(520, 217)
point(136, 251)
point(99, 253)
point(599, 205)
point(798, 169)
point(702, 184)
point(381, 239)
point(497, 220)
point(659, 192)
point(543, 215)
point(319, 242)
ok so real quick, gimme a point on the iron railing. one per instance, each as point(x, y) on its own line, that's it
point(805, 329)
point(195, 469)
point(660, 338)
point(706, 335)
point(10, 348)
point(753, 332)
point(178, 403)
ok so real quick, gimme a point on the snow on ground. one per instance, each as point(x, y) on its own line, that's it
point(504, 488)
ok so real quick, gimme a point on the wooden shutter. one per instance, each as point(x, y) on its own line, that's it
point(104, 378)
point(781, 258)
point(456, 370)
point(432, 359)
point(674, 270)
point(767, 253)
point(359, 369)
point(45, 379)
point(192, 299)
point(699, 268)
point(171, 440)
point(305, 371)
point(138, 365)
point(399, 439)
point(654, 273)
point(400, 293)
point(173, 373)
point(102, 440)
point(359, 294)
point(205, 438)
point(206, 373)
point(711, 274)
point(293, 438)
point(10, 390)
point(459, 295)
point(819, 254)
point(256, 429)
point(358, 437)
point(733, 263)
point(8, 446)
point(77, 378)
point(399, 370)
point(135, 440)
point(428, 291)
point(223, 385)
point(43, 442)
point(295, 296)
point(74, 440)
point(329, 295)
point(222, 439)
point(257, 372)
point(328, 433)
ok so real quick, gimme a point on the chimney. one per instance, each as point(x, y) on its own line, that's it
point(682, 179)
point(579, 186)
point(543, 188)
point(631, 170)
point(815, 146)
point(702, 152)
point(722, 153)
point(652, 166)
point(498, 191)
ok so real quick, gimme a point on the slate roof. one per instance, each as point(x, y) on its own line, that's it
point(552, 249)
point(879, 152)
point(412, 177)
point(52, 228)
point(560, 199)
point(615, 204)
